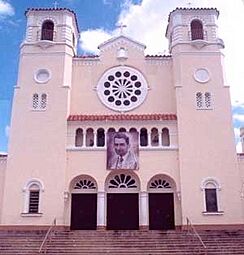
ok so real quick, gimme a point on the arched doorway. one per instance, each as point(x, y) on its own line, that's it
point(83, 203)
point(161, 189)
point(122, 189)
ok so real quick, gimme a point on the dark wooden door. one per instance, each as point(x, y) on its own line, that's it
point(161, 211)
point(83, 211)
point(122, 211)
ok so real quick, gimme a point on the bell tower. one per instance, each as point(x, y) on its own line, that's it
point(206, 139)
point(37, 144)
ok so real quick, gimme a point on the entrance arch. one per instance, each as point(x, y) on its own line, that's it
point(122, 188)
point(161, 189)
point(83, 203)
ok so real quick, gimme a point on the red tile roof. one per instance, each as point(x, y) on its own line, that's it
point(87, 56)
point(193, 9)
point(158, 56)
point(54, 9)
point(116, 117)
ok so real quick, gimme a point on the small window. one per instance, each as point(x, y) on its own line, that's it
point(43, 104)
point(199, 100)
point(32, 197)
point(47, 30)
point(211, 200)
point(35, 101)
point(34, 201)
point(133, 130)
point(121, 130)
point(79, 137)
point(165, 137)
point(208, 100)
point(143, 137)
point(89, 137)
point(196, 30)
point(211, 188)
point(154, 137)
point(100, 137)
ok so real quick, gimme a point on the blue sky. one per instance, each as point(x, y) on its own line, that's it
point(145, 19)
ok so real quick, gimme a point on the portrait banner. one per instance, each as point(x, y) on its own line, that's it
point(122, 150)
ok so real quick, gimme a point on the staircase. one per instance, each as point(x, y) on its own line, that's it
point(122, 242)
point(14, 242)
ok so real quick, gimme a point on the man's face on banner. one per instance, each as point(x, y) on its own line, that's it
point(120, 146)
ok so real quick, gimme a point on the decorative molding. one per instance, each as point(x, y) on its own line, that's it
point(119, 41)
point(123, 117)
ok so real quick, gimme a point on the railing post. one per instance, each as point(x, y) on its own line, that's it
point(192, 228)
point(49, 231)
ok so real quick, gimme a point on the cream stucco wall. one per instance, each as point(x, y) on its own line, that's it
point(42, 142)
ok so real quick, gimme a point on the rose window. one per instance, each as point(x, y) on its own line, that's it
point(122, 88)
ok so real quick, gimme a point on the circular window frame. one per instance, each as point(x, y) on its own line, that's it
point(38, 72)
point(122, 88)
point(197, 75)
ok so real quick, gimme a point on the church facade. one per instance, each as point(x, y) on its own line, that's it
point(121, 140)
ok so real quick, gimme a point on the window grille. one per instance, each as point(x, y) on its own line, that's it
point(199, 100)
point(207, 100)
point(35, 100)
point(34, 201)
point(43, 103)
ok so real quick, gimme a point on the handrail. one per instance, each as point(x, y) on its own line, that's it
point(190, 226)
point(47, 235)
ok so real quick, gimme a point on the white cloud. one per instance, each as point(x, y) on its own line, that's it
point(147, 21)
point(239, 117)
point(7, 131)
point(6, 9)
point(239, 147)
point(237, 132)
point(90, 39)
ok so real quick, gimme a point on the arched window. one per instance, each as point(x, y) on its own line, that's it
point(199, 100)
point(133, 130)
point(79, 137)
point(33, 190)
point(211, 187)
point(165, 137)
point(196, 30)
point(100, 137)
point(111, 130)
point(143, 137)
point(47, 30)
point(89, 137)
point(154, 137)
point(122, 130)
point(34, 198)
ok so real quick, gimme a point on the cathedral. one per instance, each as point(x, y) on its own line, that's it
point(121, 140)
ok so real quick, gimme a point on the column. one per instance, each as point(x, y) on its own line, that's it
point(101, 209)
point(143, 210)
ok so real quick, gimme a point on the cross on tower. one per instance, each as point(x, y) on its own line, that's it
point(189, 4)
point(121, 26)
